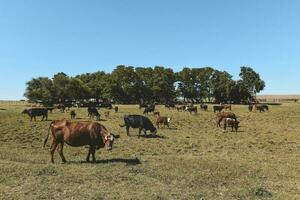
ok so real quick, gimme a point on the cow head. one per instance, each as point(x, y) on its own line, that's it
point(109, 140)
point(25, 111)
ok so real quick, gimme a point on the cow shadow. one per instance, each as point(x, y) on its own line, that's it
point(134, 161)
point(154, 136)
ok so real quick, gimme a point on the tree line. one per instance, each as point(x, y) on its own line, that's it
point(128, 85)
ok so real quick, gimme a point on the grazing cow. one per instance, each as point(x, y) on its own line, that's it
point(261, 107)
point(150, 108)
point(33, 112)
point(79, 134)
point(162, 120)
point(60, 106)
point(93, 112)
point(138, 121)
point(116, 109)
point(227, 106)
point(191, 109)
point(204, 107)
point(170, 105)
point(73, 114)
point(218, 108)
point(231, 122)
point(222, 115)
point(181, 108)
point(250, 107)
point(106, 114)
point(157, 113)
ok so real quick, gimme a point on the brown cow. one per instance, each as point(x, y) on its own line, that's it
point(227, 106)
point(231, 122)
point(79, 134)
point(106, 114)
point(163, 120)
point(191, 109)
point(222, 115)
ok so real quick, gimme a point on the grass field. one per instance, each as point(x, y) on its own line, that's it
point(192, 160)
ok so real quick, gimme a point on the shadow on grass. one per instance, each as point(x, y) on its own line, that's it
point(153, 136)
point(129, 161)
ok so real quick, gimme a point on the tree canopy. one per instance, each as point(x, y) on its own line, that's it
point(128, 84)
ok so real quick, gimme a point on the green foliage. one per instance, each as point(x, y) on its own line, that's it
point(127, 84)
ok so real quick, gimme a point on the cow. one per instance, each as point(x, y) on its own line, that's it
point(162, 120)
point(116, 109)
point(33, 112)
point(191, 109)
point(140, 122)
point(61, 107)
point(150, 108)
point(180, 108)
point(170, 105)
point(222, 115)
point(250, 107)
point(79, 134)
point(157, 113)
point(73, 114)
point(106, 114)
point(93, 112)
point(218, 108)
point(261, 107)
point(204, 107)
point(231, 122)
point(227, 106)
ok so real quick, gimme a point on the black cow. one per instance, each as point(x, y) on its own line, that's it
point(218, 108)
point(170, 105)
point(116, 109)
point(138, 121)
point(33, 112)
point(73, 114)
point(150, 108)
point(204, 107)
point(93, 112)
point(143, 106)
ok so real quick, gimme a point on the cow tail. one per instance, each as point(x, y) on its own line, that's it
point(46, 139)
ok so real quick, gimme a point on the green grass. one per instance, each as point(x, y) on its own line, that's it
point(192, 160)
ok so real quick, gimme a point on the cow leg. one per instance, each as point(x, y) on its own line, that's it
point(34, 118)
point(52, 150)
point(224, 126)
point(91, 151)
point(127, 130)
point(140, 130)
point(60, 151)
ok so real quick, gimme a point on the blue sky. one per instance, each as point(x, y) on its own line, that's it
point(43, 37)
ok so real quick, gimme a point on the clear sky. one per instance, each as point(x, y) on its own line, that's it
point(43, 37)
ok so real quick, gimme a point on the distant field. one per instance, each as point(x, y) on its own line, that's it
point(278, 97)
point(192, 160)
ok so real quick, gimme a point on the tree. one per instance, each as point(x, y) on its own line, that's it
point(60, 83)
point(40, 89)
point(77, 89)
point(251, 81)
point(222, 84)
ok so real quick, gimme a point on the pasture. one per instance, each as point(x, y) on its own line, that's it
point(193, 159)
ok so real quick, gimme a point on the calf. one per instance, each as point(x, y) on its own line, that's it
point(116, 109)
point(79, 134)
point(33, 112)
point(218, 108)
point(222, 115)
point(93, 112)
point(162, 120)
point(140, 122)
point(106, 114)
point(73, 114)
point(231, 122)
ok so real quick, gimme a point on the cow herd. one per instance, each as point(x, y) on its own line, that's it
point(95, 135)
